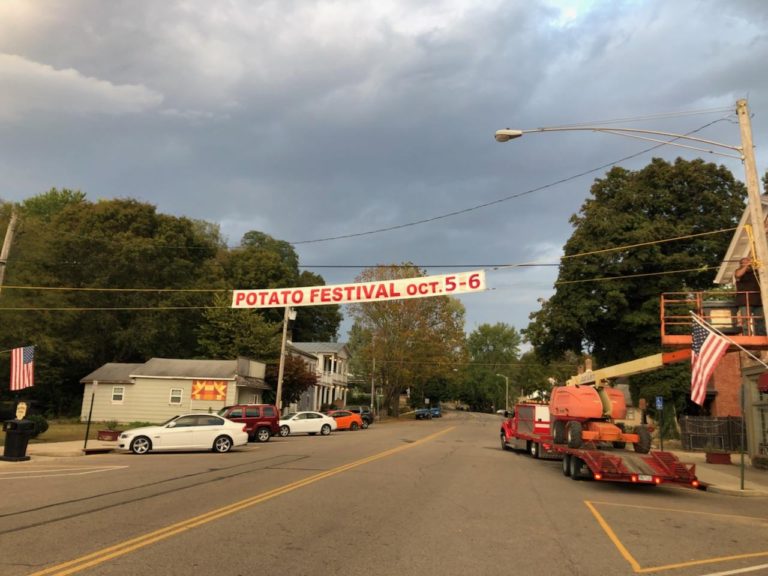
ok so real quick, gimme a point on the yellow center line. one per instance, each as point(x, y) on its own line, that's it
point(111, 552)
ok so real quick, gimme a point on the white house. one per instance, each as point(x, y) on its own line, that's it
point(331, 367)
point(162, 388)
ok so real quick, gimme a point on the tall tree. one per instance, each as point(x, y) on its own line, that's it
point(416, 343)
point(264, 262)
point(615, 268)
point(493, 353)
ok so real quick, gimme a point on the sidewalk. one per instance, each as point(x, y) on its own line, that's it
point(726, 478)
point(65, 449)
point(719, 478)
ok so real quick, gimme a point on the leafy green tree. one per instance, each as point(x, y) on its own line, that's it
point(83, 288)
point(606, 302)
point(265, 263)
point(493, 352)
point(229, 333)
point(416, 342)
point(297, 378)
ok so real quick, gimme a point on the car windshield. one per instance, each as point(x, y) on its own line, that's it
point(169, 420)
point(288, 416)
point(223, 411)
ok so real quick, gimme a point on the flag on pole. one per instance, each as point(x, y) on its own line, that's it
point(706, 351)
point(22, 367)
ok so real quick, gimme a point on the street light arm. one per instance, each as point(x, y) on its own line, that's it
point(508, 134)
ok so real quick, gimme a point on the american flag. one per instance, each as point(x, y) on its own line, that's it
point(22, 367)
point(706, 351)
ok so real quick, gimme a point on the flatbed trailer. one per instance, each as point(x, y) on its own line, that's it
point(528, 428)
point(608, 464)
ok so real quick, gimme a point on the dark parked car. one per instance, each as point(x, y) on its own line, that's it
point(262, 421)
point(365, 413)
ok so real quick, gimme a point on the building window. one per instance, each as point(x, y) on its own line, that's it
point(176, 394)
point(118, 394)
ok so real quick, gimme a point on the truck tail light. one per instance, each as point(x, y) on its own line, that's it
point(633, 477)
point(598, 476)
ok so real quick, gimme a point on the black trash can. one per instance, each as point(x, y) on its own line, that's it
point(17, 435)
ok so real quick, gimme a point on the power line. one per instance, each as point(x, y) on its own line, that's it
point(500, 200)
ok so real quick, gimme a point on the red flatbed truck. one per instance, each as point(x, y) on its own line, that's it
point(528, 428)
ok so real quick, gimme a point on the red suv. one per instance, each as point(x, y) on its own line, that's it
point(262, 421)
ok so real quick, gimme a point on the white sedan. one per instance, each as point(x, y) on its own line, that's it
point(186, 432)
point(306, 423)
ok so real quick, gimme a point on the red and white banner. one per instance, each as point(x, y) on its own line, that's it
point(420, 287)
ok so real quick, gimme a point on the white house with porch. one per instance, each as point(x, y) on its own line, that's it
point(331, 367)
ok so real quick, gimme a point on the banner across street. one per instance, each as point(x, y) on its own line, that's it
point(420, 287)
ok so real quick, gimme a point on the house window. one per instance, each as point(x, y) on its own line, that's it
point(118, 394)
point(176, 394)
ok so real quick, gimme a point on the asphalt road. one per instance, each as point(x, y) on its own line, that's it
point(433, 497)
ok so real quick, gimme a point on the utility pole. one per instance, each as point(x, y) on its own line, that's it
point(9, 233)
point(290, 314)
point(757, 219)
point(756, 216)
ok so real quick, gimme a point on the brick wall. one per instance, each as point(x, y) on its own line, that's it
point(727, 381)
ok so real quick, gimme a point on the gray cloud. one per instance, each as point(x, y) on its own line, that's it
point(315, 119)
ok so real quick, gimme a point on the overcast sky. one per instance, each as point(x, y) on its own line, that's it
point(316, 119)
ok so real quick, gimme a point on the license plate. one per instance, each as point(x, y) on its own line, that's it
point(645, 478)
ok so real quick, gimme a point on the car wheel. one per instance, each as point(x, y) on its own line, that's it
point(141, 445)
point(354, 426)
point(365, 424)
point(284, 431)
point(534, 449)
point(263, 435)
point(325, 430)
point(222, 444)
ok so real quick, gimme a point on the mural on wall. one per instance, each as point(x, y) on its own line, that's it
point(209, 390)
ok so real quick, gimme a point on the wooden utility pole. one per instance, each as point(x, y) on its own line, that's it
point(9, 233)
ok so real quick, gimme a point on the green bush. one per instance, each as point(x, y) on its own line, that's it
point(131, 425)
point(41, 424)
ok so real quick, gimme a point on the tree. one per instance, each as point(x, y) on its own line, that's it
point(416, 342)
point(297, 378)
point(614, 268)
point(493, 351)
point(229, 333)
point(265, 263)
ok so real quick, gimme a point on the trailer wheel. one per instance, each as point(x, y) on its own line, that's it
point(558, 432)
point(534, 449)
point(574, 434)
point(567, 465)
point(576, 465)
point(643, 444)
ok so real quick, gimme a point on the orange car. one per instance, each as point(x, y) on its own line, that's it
point(346, 420)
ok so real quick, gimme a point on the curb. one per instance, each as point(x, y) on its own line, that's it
point(746, 493)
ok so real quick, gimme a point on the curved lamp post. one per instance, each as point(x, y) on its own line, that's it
point(745, 153)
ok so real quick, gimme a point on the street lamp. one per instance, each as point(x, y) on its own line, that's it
point(506, 396)
point(745, 153)
point(290, 314)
